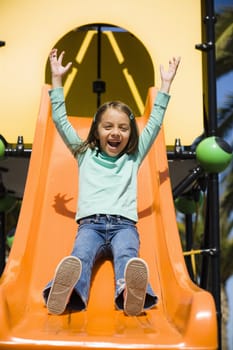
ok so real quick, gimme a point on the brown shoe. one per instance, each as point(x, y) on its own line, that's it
point(136, 280)
point(66, 276)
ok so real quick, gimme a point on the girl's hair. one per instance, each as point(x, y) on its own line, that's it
point(92, 138)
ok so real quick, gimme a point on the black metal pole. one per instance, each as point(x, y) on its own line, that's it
point(189, 243)
point(99, 62)
point(194, 174)
point(212, 232)
point(2, 242)
point(99, 85)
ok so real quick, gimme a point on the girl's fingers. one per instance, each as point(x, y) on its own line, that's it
point(60, 58)
point(53, 54)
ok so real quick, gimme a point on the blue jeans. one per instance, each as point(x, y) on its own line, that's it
point(104, 236)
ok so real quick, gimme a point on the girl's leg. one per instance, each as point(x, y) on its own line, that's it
point(125, 246)
point(66, 276)
point(138, 294)
point(87, 244)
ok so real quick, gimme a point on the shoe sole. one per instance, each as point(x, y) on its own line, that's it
point(66, 276)
point(136, 280)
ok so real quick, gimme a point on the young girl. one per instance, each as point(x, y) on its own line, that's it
point(108, 162)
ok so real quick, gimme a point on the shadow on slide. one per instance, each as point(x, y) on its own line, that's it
point(185, 317)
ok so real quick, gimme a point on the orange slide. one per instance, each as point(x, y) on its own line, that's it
point(185, 317)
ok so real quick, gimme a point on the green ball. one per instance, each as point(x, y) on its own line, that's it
point(9, 241)
point(187, 204)
point(2, 149)
point(214, 154)
point(6, 202)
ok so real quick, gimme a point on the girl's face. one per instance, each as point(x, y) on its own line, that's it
point(113, 132)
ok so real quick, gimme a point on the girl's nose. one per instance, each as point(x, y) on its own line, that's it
point(115, 131)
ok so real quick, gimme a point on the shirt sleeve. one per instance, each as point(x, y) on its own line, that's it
point(153, 125)
point(59, 115)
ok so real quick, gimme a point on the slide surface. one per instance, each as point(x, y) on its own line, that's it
point(185, 317)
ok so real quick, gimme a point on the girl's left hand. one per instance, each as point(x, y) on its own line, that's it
point(168, 76)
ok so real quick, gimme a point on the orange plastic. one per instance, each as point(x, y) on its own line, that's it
point(185, 317)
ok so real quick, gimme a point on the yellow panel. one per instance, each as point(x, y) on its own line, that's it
point(31, 29)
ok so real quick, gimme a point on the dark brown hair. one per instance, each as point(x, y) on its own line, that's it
point(92, 139)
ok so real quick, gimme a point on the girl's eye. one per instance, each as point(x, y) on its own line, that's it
point(124, 128)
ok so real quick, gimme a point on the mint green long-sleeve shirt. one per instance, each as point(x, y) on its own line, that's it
point(107, 185)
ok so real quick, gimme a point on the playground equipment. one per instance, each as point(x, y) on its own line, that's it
point(2, 148)
point(185, 316)
point(214, 154)
point(210, 276)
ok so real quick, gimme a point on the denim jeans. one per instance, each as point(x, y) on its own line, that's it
point(104, 236)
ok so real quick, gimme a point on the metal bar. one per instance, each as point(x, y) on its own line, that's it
point(195, 173)
point(99, 63)
point(2, 242)
point(189, 243)
point(212, 228)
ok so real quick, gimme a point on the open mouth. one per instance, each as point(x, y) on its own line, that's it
point(113, 144)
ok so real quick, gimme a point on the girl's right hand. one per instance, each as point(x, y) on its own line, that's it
point(57, 69)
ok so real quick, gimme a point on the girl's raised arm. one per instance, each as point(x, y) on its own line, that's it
point(57, 69)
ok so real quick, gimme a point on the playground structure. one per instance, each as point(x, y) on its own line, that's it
point(44, 329)
point(185, 316)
